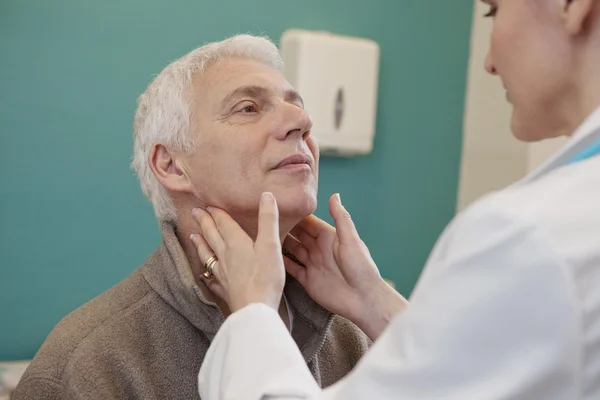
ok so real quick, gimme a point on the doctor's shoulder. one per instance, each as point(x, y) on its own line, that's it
point(562, 207)
point(561, 201)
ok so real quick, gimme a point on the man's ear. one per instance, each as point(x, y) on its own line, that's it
point(577, 14)
point(168, 169)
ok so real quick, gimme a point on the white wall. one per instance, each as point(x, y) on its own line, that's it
point(491, 157)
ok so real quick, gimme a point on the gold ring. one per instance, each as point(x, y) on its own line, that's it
point(209, 265)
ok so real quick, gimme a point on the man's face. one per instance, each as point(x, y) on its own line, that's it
point(252, 136)
point(530, 51)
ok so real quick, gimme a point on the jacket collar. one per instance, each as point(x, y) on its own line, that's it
point(169, 274)
point(585, 135)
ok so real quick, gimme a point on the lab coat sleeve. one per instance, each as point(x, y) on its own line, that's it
point(494, 316)
point(253, 355)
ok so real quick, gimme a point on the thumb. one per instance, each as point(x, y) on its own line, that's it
point(344, 226)
point(268, 220)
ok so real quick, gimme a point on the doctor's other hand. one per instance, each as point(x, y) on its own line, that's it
point(247, 271)
point(339, 273)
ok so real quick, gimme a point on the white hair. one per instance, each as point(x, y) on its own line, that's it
point(164, 110)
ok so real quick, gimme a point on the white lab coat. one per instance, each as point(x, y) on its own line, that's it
point(507, 307)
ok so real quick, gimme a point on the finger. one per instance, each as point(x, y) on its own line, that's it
point(204, 253)
point(313, 225)
point(215, 286)
point(229, 229)
point(303, 236)
point(202, 248)
point(295, 270)
point(345, 228)
point(210, 233)
point(268, 221)
point(297, 249)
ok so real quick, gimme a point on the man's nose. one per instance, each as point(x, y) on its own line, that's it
point(295, 121)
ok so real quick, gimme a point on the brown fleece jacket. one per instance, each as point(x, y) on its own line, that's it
point(146, 337)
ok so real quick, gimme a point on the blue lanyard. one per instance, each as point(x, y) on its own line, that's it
point(588, 152)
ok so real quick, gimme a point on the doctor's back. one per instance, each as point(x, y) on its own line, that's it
point(508, 305)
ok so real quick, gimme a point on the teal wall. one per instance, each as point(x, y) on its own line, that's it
point(73, 221)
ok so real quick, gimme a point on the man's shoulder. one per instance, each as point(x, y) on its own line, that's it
point(126, 343)
point(348, 335)
point(79, 333)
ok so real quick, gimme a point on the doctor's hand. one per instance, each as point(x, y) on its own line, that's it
point(246, 271)
point(339, 273)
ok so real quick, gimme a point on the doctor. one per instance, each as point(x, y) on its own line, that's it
point(508, 305)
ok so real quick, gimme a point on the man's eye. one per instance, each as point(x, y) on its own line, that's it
point(248, 109)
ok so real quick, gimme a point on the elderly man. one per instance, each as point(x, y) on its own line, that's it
point(217, 127)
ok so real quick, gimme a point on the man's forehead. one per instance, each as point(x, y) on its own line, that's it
point(234, 74)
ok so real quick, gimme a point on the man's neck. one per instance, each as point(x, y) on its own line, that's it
point(186, 225)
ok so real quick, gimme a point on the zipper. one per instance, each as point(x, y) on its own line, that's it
point(321, 340)
point(208, 303)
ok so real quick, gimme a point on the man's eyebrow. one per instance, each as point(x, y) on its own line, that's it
point(293, 96)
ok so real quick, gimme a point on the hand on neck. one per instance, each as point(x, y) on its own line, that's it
point(186, 225)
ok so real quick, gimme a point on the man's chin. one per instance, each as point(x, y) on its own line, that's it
point(298, 207)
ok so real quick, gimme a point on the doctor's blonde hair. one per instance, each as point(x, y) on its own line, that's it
point(164, 110)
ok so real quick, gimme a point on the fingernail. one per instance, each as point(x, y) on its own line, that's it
point(193, 237)
point(267, 198)
point(209, 209)
point(195, 212)
point(338, 198)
